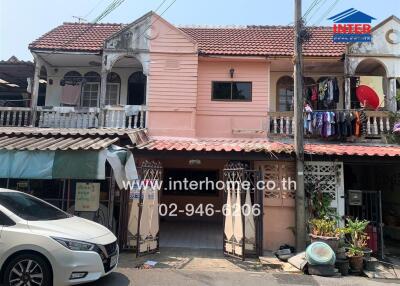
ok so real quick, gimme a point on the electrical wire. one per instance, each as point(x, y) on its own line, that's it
point(159, 6)
point(111, 7)
point(316, 10)
point(151, 24)
point(115, 4)
point(94, 8)
point(312, 5)
point(326, 13)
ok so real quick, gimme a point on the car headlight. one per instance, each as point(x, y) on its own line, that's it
point(75, 245)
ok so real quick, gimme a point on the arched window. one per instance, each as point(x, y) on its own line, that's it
point(71, 78)
point(284, 93)
point(113, 88)
point(91, 90)
point(308, 81)
point(42, 86)
point(137, 89)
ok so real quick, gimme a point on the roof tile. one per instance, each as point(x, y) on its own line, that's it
point(263, 41)
point(249, 41)
point(264, 145)
point(76, 37)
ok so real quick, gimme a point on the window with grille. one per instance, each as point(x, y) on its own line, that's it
point(112, 94)
point(90, 94)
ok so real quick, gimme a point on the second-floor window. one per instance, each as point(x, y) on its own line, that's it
point(284, 92)
point(91, 90)
point(231, 91)
point(112, 91)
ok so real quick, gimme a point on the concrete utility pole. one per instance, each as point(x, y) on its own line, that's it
point(299, 128)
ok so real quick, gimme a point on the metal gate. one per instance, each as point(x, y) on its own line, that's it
point(148, 220)
point(326, 177)
point(242, 211)
point(367, 205)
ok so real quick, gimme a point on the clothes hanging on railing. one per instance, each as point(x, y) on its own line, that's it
point(70, 94)
point(340, 124)
point(323, 95)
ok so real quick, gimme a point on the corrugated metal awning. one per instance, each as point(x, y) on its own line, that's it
point(42, 143)
point(68, 131)
point(264, 145)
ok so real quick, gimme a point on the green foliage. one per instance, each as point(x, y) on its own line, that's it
point(321, 206)
point(324, 227)
point(358, 237)
point(354, 251)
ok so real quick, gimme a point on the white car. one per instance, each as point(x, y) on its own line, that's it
point(40, 245)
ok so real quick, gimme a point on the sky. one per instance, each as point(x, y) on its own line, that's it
point(22, 21)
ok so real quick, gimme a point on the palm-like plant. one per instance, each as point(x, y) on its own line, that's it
point(358, 238)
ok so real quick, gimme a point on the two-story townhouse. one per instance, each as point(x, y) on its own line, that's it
point(212, 102)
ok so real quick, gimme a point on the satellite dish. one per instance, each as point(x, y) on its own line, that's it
point(367, 96)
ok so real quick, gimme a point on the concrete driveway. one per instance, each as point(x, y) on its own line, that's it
point(173, 277)
point(183, 267)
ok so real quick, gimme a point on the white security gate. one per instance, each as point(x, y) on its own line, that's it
point(326, 177)
point(242, 211)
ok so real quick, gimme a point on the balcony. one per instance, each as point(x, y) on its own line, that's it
point(282, 124)
point(121, 117)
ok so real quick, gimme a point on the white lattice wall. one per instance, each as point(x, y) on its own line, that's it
point(328, 177)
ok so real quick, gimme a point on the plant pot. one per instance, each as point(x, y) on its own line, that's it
point(343, 266)
point(356, 263)
point(322, 270)
point(370, 263)
point(333, 242)
point(367, 253)
point(341, 253)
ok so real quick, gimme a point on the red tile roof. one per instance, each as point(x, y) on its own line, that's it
point(252, 40)
point(76, 37)
point(264, 145)
point(352, 150)
point(263, 41)
point(211, 144)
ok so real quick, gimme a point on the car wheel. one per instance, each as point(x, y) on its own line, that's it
point(27, 270)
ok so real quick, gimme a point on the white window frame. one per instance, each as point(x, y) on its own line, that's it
point(83, 93)
point(107, 90)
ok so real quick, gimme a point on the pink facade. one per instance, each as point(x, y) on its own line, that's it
point(172, 81)
point(180, 82)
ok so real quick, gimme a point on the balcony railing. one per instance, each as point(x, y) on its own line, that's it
point(129, 117)
point(282, 123)
point(15, 116)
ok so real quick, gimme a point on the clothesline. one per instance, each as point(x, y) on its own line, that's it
point(324, 110)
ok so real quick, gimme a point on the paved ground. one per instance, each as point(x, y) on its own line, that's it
point(173, 277)
point(178, 266)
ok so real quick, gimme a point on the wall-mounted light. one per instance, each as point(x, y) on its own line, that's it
point(231, 72)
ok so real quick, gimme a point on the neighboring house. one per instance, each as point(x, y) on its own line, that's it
point(14, 77)
point(209, 98)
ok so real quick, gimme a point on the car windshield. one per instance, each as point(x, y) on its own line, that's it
point(30, 208)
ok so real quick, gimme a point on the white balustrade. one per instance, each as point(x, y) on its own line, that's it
point(281, 123)
point(15, 116)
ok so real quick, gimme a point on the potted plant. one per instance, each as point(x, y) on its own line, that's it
point(357, 242)
point(325, 230)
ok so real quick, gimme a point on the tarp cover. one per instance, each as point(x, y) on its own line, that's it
point(21, 164)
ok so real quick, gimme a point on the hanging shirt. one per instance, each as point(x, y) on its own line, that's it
point(314, 93)
point(330, 90)
point(336, 91)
